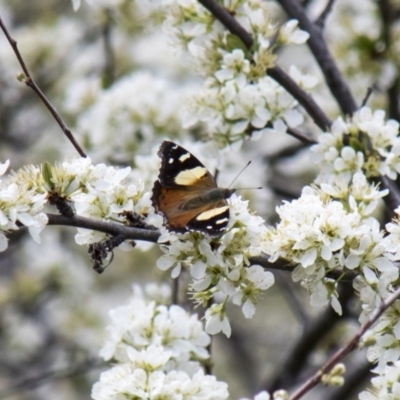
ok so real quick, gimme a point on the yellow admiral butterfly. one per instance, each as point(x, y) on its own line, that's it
point(187, 194)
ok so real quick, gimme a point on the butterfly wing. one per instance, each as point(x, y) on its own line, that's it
point(182, 179)
point(181, 168)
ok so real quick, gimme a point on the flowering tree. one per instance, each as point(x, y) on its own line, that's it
point(308, 91)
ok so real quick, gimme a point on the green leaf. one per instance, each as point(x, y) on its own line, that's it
point(48, 174)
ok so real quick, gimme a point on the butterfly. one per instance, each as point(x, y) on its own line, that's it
point(187, 194)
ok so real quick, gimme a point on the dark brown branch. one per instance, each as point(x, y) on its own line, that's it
point(303, 137)
point(350, 346)
point(320, 21)
point(29, 81)
point(306, 101)
point(367, 96)
point(109, 66)
point(388, 16)
point(392, 200)
point(276, 73)
point(316, 42)
point(228, 21)
point(106, 227)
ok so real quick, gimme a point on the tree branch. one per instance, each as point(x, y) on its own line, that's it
point(106, 227)
point(152, 235)
point(320, 21)
point(316, 42)
point(51, 376)
point(303, 137)
point(228, 21)
point(350, 346)
point(29, 81)
point(392, 200)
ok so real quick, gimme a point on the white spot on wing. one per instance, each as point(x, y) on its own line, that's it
point(170, 161)
point(212, 213)
point(190, 176)
point(184, 157)
point(222, 221)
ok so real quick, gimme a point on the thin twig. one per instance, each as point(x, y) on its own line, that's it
point(316, 42)
point(51, 376)
point(350, 346)
point(29, 81)
point(320, 21)
point(367, 96)
point(276, 73)
point(303, 137)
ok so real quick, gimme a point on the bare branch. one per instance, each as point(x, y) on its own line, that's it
point(228, 21)
point(303, 137)
point(367, 96)
point(316, 42)
point(29, 81)
point(392, 200)
point(106, 227)
point(306, 101)
point(51, 376)
point(320, 21)
point(350, 346)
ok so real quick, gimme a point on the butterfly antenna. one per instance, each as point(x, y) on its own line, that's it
point(253, 188)
point(237, 176)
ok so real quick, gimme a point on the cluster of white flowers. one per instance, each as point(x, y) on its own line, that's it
point(136, 108)
point(319, 234)
point(343, 151)
point(158, 349)
point(383, 339)
point(331, 228)
point(220, 266)
point(21, 202)
point(96, 191)
point(385, 386)
point(237, 100)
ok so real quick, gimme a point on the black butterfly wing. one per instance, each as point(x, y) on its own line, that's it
point(181, 168)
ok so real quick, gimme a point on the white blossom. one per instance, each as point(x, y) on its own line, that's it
point(220, 267)
point(290, 33)
point(385, 386)
point(374, 136)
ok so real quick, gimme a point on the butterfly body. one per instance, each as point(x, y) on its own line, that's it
point(187, 194)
